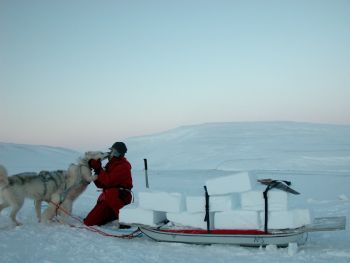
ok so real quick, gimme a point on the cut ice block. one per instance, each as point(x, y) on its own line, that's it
point(254, 200)
point(190, 219)
point(195, 204)
point(237, 219)
point(287, 219)
point(302, 217)
point(136, 215)
point(217, 203)
point(235, 183)
point(162, 201)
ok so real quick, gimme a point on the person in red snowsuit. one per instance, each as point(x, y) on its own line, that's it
point(116, 183)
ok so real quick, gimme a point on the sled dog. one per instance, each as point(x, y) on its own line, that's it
point(43, 186)
point(83, 177)
point(58, 188)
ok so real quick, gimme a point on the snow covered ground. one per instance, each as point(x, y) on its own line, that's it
point(315, 157)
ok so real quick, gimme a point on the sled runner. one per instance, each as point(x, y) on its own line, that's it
point(254, 238)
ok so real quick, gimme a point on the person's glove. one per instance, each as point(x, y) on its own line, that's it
point(95, 165)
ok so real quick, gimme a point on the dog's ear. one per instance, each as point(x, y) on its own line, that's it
point(88, 154)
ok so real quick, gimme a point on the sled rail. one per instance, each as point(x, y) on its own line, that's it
point(327, 224)
point(279, 237)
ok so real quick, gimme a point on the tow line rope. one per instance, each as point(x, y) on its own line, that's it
point(94, 229)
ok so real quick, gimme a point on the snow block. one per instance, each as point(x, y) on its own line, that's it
point(217, 203)
point(238, 219)
point(136, 215)
point(287, 219)
point(162, 201)
point(235, 183)
point(186, 219)
point(254, 200)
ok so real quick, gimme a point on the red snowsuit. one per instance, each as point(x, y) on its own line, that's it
point(116, 183)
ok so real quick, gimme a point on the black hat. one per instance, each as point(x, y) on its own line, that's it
point(120, 147)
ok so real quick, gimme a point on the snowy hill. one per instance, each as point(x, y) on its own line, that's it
point(246, 146)
point(315, 157)
point(34, 158)
point(223, 146)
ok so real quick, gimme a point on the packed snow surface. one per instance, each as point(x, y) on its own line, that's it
point(315, 157)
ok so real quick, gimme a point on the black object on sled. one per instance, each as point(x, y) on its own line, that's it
point(279, 184)
point(207, 217)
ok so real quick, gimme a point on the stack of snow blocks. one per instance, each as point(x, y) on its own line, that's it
point(155, 207)
point(152, 208)
point(235, 202)
point(233, 186)
point(251, 212)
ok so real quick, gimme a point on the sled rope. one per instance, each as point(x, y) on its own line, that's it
point(133, 234)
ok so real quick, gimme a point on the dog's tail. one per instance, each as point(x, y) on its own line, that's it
point(3, 176)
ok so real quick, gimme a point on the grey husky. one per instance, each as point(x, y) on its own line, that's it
point(43, 186)
point(57, 188)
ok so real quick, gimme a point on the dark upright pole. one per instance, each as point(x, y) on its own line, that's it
point(146, 172)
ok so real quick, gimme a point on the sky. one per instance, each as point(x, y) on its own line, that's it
point(83, 74)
